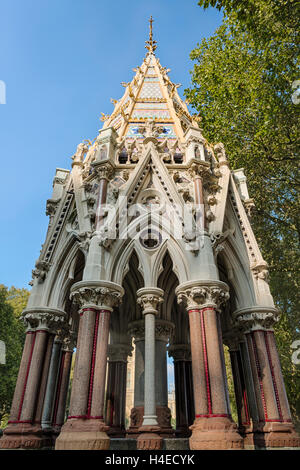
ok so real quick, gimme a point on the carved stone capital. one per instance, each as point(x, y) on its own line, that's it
point(199, 168)
point(136, 329)
point(97, 294)
point(44, 318)
point(180, 352)
point(200, 294)
point(104, 170)
point(163, 330)
point(255, 318)
point(119, 352)
point(149, 299)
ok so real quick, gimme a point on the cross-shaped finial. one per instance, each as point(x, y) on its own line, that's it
point(151, 44)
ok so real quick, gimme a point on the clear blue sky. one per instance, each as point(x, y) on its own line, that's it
point(62, 61)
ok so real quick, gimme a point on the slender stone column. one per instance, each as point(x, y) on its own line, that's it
point(137, 331)
point(163, 332)
point(241, 396)
point(116, 388)
point(105, 171)
point(149, 299)
point(51, 386)
point(213, 427)
point(24, 427)
point(63, 379)
point(184, 397)
point(275, 424)
point(85, 427)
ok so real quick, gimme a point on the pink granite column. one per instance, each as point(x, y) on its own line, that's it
point(276, 428)
point(213, 427)
point(24, 428)
point(85, 427)
point(61, 392)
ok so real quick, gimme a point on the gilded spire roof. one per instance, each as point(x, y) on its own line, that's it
point(150, 97)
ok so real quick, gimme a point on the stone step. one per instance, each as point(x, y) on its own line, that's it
point(130, 444)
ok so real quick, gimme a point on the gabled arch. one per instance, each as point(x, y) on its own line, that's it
point(235, 269)
point(59, 278)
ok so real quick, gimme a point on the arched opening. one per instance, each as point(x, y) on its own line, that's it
point(234, 354)
point(180, 385)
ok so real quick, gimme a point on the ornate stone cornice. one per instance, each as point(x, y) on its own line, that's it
point(96, 294)
point(255, 318)
point(149, 299)
point(44, 318)
point(201, 294)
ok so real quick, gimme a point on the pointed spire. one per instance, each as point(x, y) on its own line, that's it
point(151, 44)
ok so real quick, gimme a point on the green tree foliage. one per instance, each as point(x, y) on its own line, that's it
point(242, 88)
point(12, 332)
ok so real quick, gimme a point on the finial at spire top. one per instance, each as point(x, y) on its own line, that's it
point(151, 44)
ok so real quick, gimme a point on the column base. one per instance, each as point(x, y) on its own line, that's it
point(116, 431)
point(163, 418)
point(24, 436)
point(215, 433)
point(149, 439)
point(83, 434)
point(183, 432)
point(273, 435)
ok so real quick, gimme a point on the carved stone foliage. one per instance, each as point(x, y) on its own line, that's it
point(200, 168)
point(164, 330)
point(256, 318)
point(149, 299)
point(199, 295)
point(48, 319)
point(96, 295)
point(103, 170)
